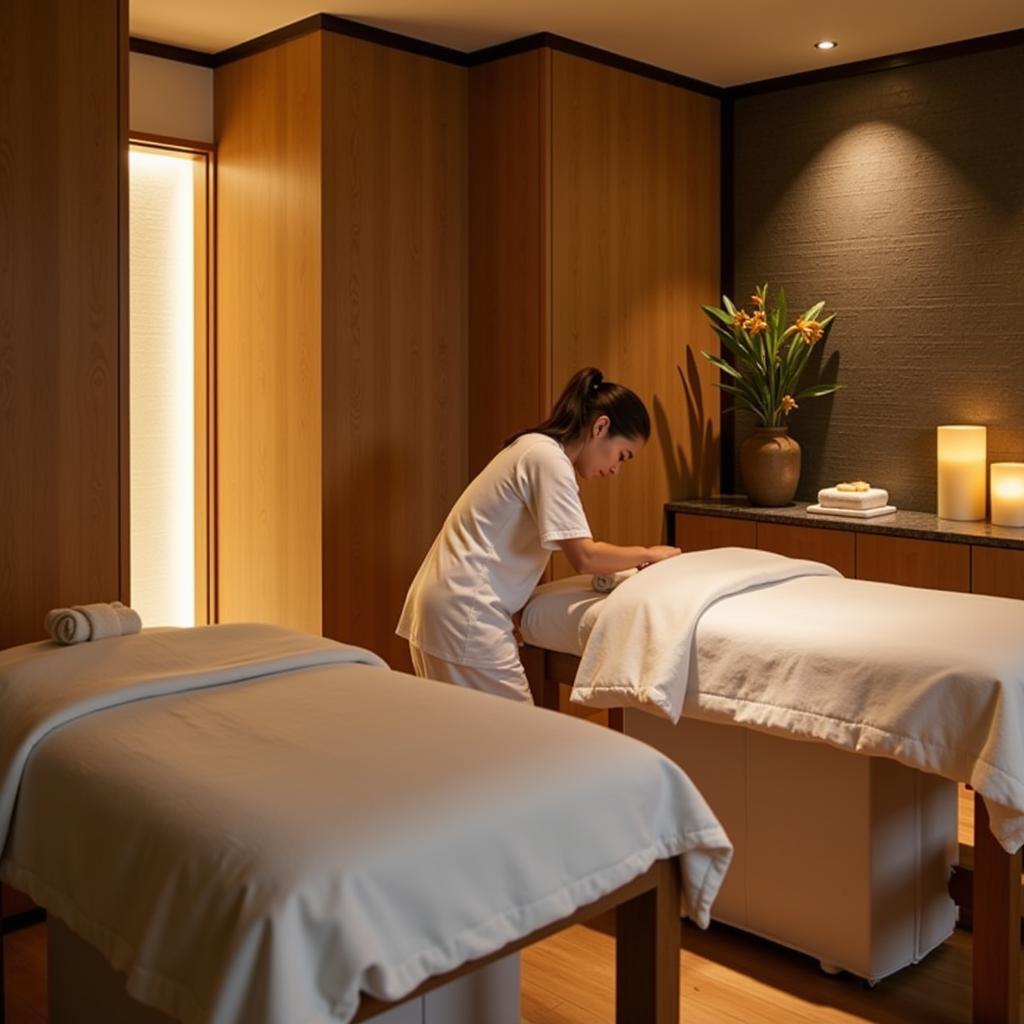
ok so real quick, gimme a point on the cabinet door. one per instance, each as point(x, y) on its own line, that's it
point(698, 533)
point(997, 571)
point(833, 547)
point(937, 565)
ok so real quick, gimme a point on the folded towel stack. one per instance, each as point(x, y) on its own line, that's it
point(91, 622)
point(607, 582)
point(858, 499)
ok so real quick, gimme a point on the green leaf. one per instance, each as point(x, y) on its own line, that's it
point(722, 365)
point(817, 391)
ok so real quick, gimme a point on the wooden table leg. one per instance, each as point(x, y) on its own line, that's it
point(648, 934)
point(996, 940)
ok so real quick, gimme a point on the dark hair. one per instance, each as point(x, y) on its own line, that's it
point(587, 396)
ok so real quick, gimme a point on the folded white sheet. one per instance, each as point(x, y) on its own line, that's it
point(832, 497)
point(258, 853)
point(638, 654)
point(852, 513)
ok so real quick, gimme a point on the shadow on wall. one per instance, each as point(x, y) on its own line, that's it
point(691, 473)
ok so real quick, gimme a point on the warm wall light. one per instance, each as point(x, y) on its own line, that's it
point(961, 453)
point(826, 44)
point(1007, 490)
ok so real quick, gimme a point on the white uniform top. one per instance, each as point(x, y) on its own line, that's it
point(491, 553)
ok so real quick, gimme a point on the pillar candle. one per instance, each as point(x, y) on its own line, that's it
point(961, 472)
point(1007, 493)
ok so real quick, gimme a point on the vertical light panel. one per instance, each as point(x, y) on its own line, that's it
point(162, 387)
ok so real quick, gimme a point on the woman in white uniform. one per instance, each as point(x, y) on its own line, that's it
point(459, 615)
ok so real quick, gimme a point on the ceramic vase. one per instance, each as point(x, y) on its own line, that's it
point(770, 466)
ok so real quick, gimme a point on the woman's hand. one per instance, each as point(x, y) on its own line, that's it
point(660, 552)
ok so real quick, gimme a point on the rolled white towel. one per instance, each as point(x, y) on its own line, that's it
point(605, 583)
point(86, 622)
point(874, 497)
point(67, 626)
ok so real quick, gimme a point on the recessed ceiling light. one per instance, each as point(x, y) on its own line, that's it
point(826, 44)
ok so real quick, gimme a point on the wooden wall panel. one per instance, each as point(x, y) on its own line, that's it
point(937, 565)
point(509, 182)
point(268, 117)
point(635, 251)
point(997, 571)
point(63, 157)
point(394, 371)
point(833, 547)
point(698, 533)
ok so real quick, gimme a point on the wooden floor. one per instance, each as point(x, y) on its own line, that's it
point(727, 978)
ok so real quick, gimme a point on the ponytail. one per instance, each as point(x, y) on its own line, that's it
point(586, 397)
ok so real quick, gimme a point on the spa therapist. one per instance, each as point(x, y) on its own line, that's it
point(496, 542)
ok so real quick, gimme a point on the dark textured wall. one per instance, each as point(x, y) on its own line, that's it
point(898, 197)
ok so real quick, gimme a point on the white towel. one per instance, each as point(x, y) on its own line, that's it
point(874, 497)
point(852, 513)
point(605, 583)
point(91, 622)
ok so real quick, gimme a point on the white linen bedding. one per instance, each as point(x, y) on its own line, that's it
point(262, 851)
point(933, 679)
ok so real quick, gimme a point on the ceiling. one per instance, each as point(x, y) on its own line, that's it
point(727, 42)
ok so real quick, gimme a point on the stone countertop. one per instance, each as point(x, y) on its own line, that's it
point(916, 525)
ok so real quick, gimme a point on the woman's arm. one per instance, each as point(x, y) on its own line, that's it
point(593, 557)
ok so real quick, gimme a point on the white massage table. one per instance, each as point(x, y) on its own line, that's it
point(255, 826)
point(932, 680)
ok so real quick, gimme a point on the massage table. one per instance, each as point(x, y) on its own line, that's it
point(243, 824)
point(790, 650)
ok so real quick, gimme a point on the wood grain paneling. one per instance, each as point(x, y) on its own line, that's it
point(635, 251)
point(997, 571)
point(509, 273)
point(698, 533)
point(394, 363)
point(829, 546)
point(937, 565)
point(268, 128)
point(63, 156)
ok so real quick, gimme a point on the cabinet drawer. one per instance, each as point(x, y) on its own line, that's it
point(835, 548)
point(938, 565)
point(997, 571)
point(697, 533)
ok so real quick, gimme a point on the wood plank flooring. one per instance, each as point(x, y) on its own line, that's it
point(727, 978)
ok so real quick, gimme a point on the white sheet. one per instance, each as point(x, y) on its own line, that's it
point(933, 679)
point(638, 653)
point(260, 852)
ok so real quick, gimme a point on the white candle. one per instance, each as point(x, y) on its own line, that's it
point(961, 472)
point(1008, 493)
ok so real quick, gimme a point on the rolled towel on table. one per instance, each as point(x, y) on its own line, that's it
point(92, 622)
point(874, 497)
point(605, 583)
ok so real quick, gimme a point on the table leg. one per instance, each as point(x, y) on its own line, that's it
point(996, 939)
point(648, 934)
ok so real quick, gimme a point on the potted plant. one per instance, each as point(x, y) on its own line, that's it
point(770, 357)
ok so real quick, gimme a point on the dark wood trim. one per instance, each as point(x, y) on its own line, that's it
point(171, 142)
point(24, 919)
point(727, 240)
point(648, 936)
point(341, 27)
point(181, 54)
point(123, 378)
point(595, 54)
point(961, 48)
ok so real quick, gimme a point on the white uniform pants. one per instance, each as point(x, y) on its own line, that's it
point(510, 683)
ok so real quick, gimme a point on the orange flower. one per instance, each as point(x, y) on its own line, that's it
point(788, 404)
point(757, 300)
point(809, 330)
point(756, 324)
point(739, 318)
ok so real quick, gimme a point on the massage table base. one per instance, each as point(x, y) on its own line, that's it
point(84, 989)
point(843, 857)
